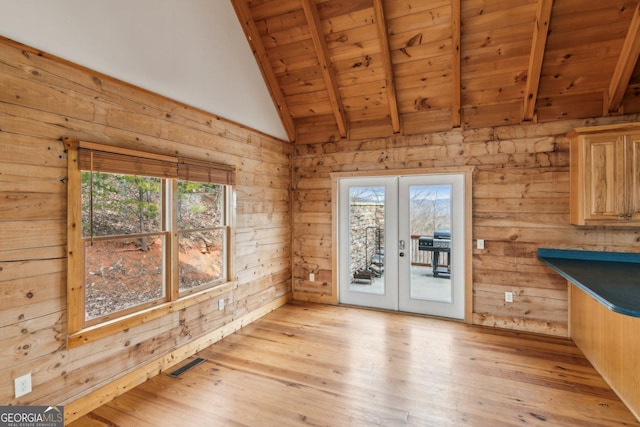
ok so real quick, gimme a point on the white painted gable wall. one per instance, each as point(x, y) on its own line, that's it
point(193, 51)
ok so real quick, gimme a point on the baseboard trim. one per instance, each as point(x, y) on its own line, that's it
point(85, 404)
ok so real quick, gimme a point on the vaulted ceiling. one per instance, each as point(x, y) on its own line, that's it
point(369, 68)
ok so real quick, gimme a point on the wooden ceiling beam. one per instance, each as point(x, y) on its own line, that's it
point(626, 63)
point(538, 44)
point(455, 64)
point(328, 75)
point(260, 53)
point(392, 98)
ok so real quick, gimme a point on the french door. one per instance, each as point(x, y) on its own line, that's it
point(401, 243)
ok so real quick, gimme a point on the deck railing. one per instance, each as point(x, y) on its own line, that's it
point(419, 257)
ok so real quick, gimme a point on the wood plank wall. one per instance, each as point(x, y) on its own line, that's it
point(520, 203)
point(43, 99)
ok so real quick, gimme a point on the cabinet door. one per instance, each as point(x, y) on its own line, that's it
point(605, 178)
point(633, 180)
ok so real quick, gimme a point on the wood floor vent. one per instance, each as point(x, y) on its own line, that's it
point(187, 366)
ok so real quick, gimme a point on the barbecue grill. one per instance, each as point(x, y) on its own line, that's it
point(440, 242)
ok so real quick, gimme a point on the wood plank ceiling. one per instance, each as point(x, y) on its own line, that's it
point(373, 68)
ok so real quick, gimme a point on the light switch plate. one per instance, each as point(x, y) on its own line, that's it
point(312, 277)
point(480, 243)
point(508, 296)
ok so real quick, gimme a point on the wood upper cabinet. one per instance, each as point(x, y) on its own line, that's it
point(633, 184)
point(605, 176)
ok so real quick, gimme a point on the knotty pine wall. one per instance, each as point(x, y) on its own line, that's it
point(520, 203)
point(43, 99)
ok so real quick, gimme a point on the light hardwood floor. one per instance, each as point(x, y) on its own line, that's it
point(308, 364)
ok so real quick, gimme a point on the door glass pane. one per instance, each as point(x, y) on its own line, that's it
point(430, 222)
point(366, 239)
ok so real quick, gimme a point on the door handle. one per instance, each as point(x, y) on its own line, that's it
point(401, 245)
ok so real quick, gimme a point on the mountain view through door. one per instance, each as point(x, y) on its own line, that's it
point(430, 227)
point(430, 218)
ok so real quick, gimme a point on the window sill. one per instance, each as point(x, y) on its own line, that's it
point(111, 327)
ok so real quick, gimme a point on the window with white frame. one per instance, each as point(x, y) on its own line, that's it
point(145, 231)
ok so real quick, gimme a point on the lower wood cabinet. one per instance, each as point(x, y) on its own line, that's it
point(610, 341)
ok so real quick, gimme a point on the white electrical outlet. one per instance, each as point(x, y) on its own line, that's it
point(312, 277)
point(221, 304)
point(508, 296)
point(480, 243)
point(23, 385)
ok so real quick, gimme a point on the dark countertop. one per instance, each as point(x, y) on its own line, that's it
point(612, 278)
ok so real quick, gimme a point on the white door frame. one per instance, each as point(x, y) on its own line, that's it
point(468, 250)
